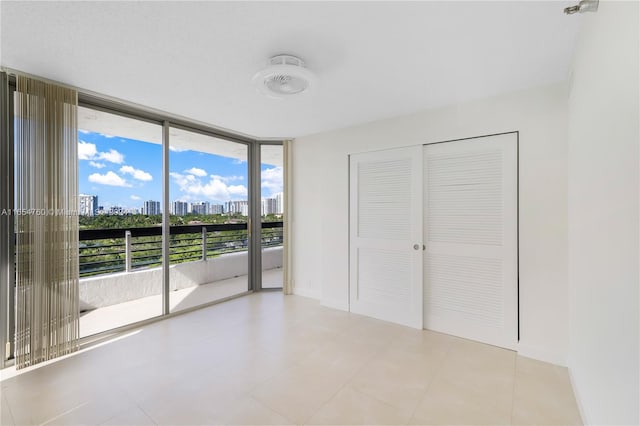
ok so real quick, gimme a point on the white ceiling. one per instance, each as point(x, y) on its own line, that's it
point(373, 59)
point(117, 125)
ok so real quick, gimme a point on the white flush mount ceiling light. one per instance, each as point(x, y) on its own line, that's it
point(285, 77)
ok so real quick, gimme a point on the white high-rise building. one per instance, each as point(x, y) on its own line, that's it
point(179, 208)
point(241, 207)
point(88, 205)
point(274, 205)
point(151, 208)
point(216, 209)
point(269, 206)
point(200, 208)
point(279, 203)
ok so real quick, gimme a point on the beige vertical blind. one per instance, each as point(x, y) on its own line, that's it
point(46, 217)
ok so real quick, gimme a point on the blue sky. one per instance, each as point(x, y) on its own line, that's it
point(126, 172)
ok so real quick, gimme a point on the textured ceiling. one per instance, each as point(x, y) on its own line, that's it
point(373, 59)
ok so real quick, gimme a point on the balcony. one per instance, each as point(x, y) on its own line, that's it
point(121, 274)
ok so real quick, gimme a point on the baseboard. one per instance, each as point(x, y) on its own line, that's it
point(541, 355)
point(341, 305)
point(306, 292)
point(576, 393)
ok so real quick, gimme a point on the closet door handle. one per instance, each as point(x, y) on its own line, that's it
point(416, 246)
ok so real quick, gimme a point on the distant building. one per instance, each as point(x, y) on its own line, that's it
point(179, 208)
point(279, 203)
point(216, 209)
point(269, 206)
point(200, 208)
point(273, 205)
point(88, 205)
point(151, 207)
point(234, 207)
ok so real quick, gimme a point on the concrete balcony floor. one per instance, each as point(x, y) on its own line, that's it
point(110, 317)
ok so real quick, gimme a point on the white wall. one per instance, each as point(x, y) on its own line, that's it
point(320, 202)
point(603, 215)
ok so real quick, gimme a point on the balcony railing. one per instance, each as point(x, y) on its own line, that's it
point(106, 251)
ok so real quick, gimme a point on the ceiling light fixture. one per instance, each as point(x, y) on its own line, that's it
point(285, 77)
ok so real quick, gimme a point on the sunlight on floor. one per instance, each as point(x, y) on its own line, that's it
point(109, 317)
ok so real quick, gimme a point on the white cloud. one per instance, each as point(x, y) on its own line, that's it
point(136, 173)
point(106, 136)
point(214, 189)
point(97, 165)
point(272, 180)
point(227, 178)
point(86, 150)
point(135, 197)
point(110, 178)
point(112, 156)
point(182, 180)
point(237, 190)
point(84, 132)
point(196, 171)
point(176, 149)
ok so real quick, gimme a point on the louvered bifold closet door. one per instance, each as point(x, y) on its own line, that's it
point(470, 224)
point(386, 235)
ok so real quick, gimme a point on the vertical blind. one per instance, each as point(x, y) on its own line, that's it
point(46, 218)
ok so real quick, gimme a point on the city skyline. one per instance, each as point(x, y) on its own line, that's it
point(88, 206)
point(125, 173)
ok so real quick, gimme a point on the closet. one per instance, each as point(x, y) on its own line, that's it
point(433, 237)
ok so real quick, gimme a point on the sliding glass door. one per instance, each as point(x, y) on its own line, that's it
point(120, 194)
point(172, 215)
point(209, 211)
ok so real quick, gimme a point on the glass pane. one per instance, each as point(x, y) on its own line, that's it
point(271, 184)
point(209, 209)
point(120, 189)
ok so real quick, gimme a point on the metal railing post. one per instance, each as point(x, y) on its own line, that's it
point(204, 243)
point(127, 250)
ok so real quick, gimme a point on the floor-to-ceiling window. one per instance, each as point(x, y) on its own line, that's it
point(165, 210)
point(120, 197)
point(209, 211)
point(272, 211)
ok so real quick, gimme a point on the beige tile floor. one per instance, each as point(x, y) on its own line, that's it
point(273, 359)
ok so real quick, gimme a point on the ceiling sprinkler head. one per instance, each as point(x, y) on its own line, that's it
point(583, 6)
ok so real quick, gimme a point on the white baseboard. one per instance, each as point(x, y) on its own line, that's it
point(306, 292)
point(541, 354)
point(341, 305)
